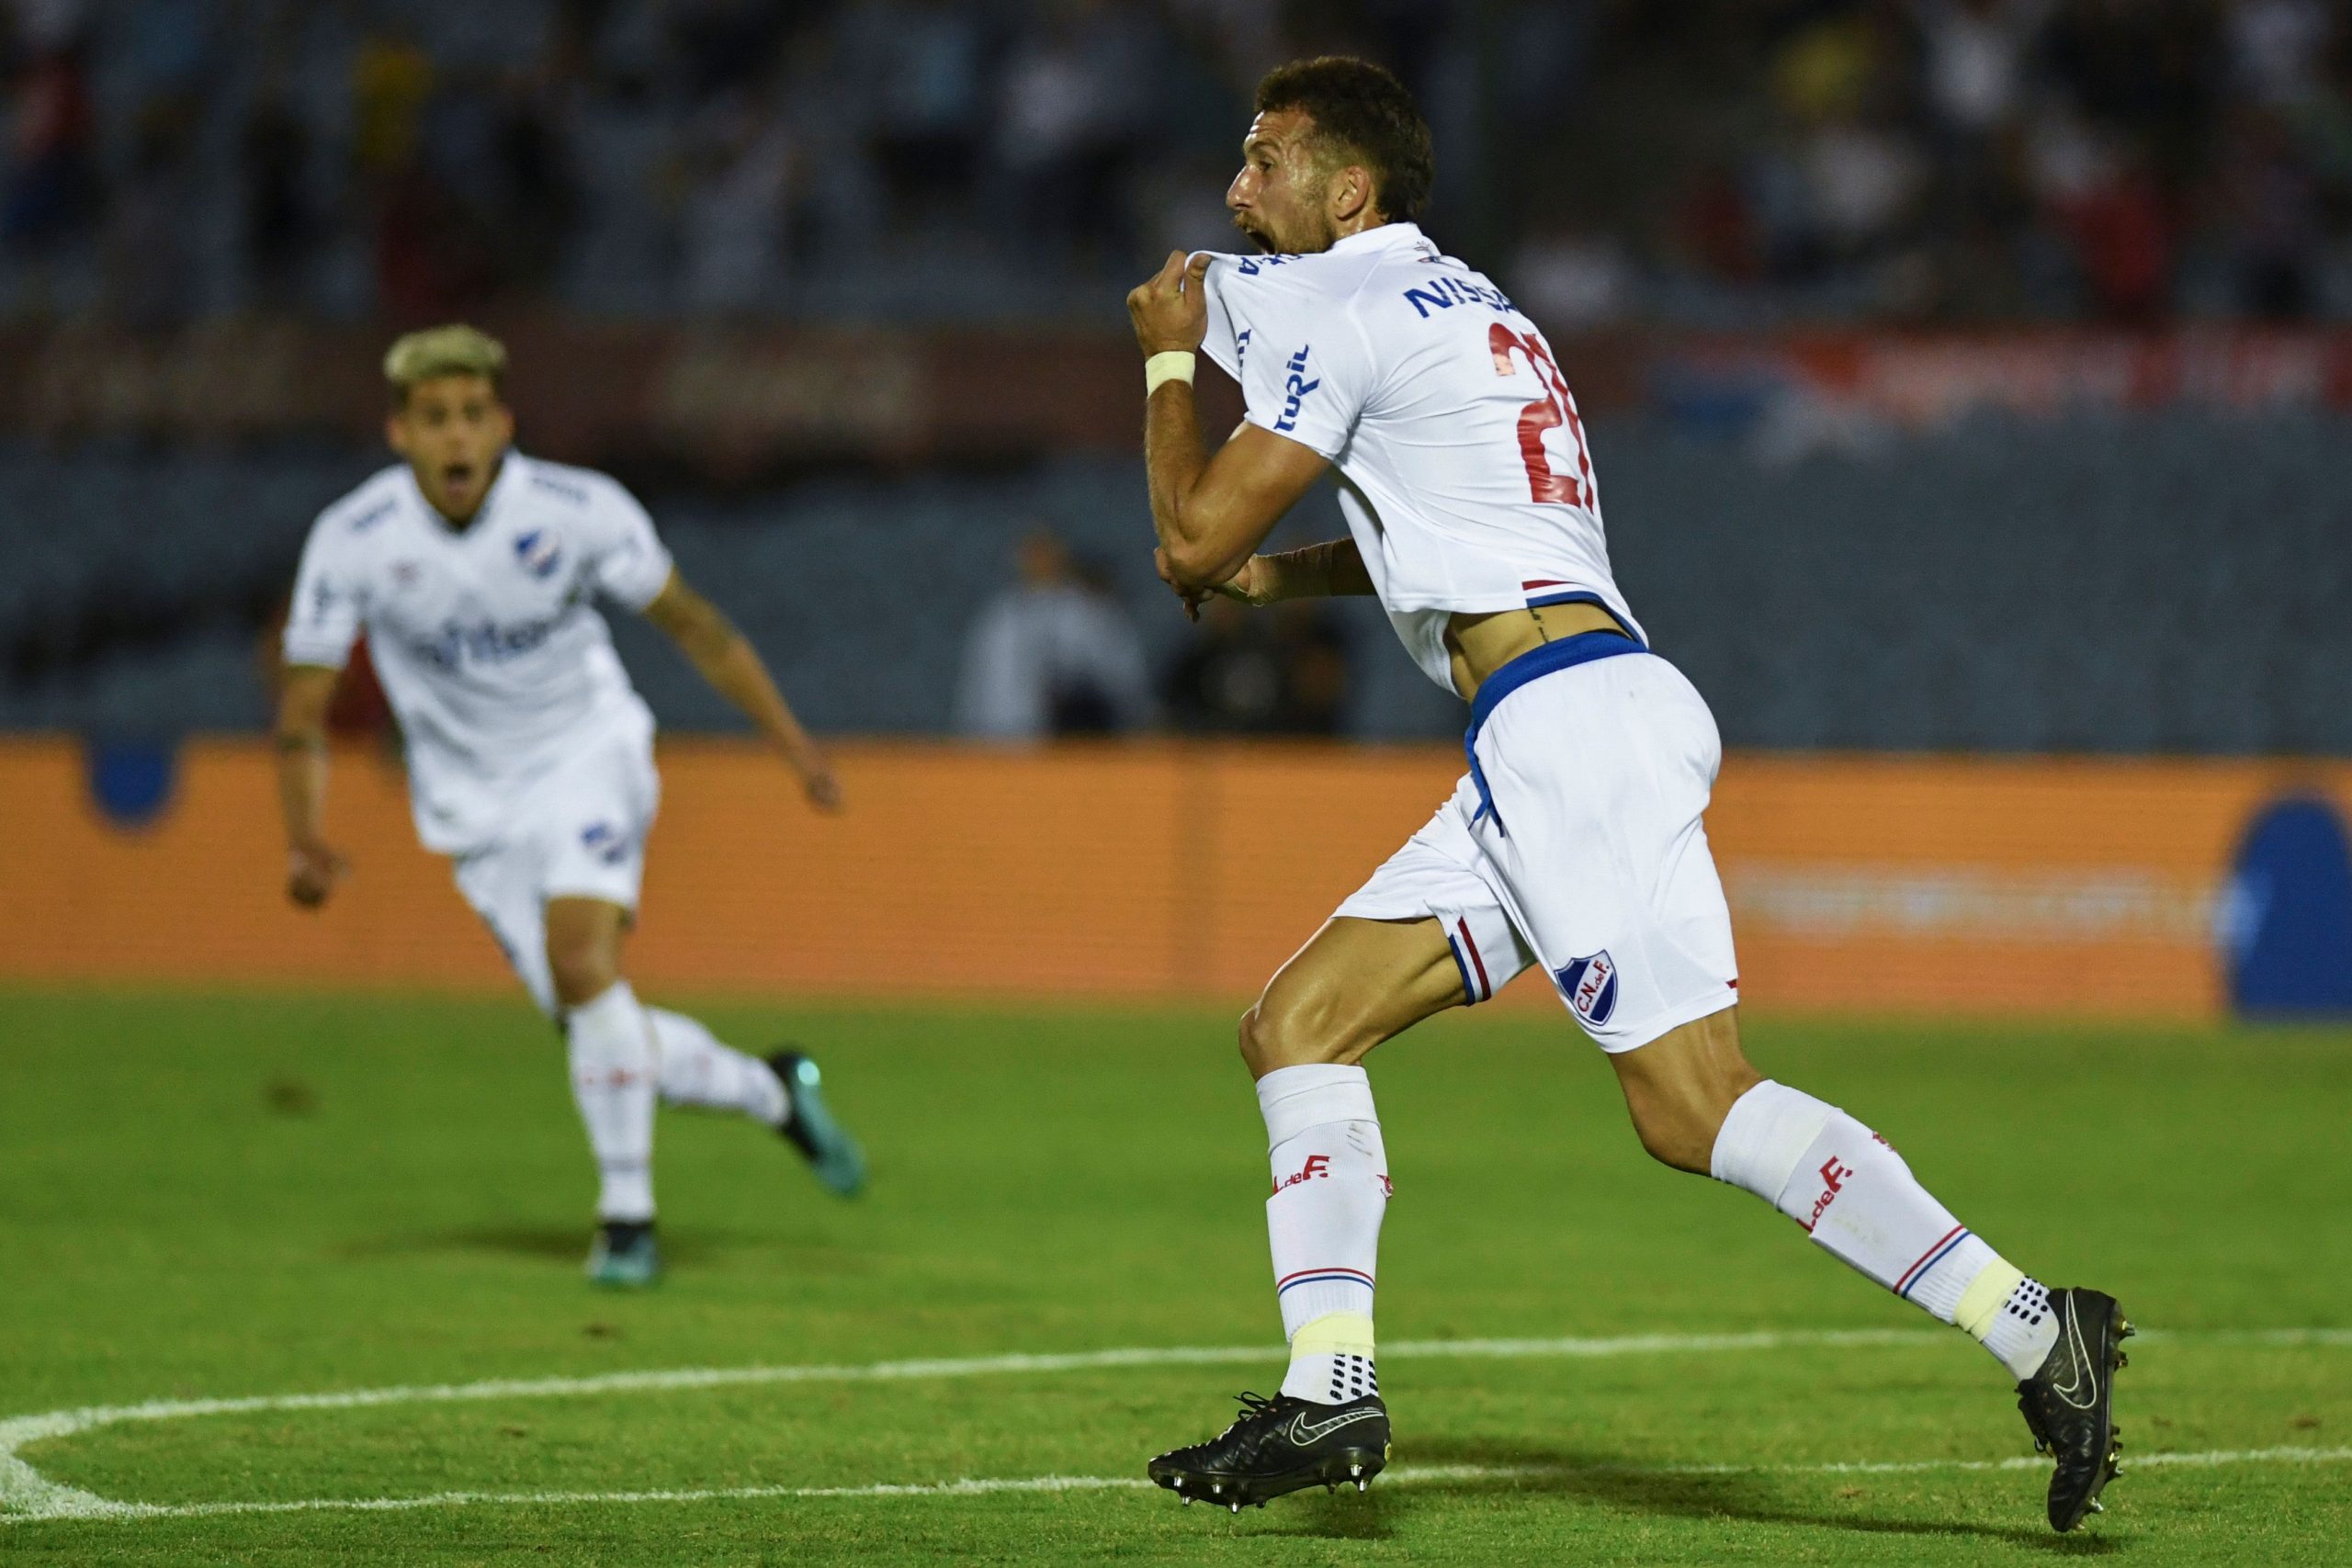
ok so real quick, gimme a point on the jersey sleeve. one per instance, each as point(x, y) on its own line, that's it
point(330, 600)
point(1298, 353)
point(630, 565)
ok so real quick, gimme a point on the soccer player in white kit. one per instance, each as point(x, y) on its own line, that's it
point(473, 569)
point(1574, 841)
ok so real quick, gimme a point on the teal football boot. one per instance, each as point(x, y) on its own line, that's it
point(624, 1256)
point(831, 1153)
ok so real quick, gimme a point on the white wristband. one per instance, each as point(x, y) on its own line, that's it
point(1174, 365)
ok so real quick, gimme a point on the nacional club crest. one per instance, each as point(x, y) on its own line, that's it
point(606, 842)
point(539, 551)
point(1590, 985)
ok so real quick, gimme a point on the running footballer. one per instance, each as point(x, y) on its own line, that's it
point(1574, 841)
point(474, 571)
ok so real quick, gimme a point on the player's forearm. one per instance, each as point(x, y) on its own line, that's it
point(1333, 568)
point(303, 784)
point(734, 669)
point(1173, 462)
point(300, 734)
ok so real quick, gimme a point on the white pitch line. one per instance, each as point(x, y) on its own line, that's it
point(25, 1494)
point(1405, 1475)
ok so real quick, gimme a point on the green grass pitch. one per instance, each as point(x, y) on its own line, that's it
point(206, 1196)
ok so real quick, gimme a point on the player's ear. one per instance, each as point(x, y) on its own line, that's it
point(1351, 192)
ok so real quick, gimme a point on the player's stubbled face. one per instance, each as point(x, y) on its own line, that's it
point(452, 430)
point(1278, 197)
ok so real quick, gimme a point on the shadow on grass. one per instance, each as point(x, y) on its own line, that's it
point(1561, 1473)
point(566, 1243)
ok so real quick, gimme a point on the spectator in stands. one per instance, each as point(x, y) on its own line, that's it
point(737, 206)
point(2270, 216)
point(1077, 101)
point(1283, 673)
point(1732, 163)
point(281, 216)
point(47, 186)
point(1573, 278)
point(1054, 655)
point(150, 271)
point(922, 66)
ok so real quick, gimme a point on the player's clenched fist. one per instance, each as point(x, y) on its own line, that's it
point(1253, 584)
point(1169, 308)
point(312, 872)
point(822, 788)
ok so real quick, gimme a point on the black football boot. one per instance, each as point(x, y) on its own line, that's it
point(2068, 1404)
point(1280, 1445)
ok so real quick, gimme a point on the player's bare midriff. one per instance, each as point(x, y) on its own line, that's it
point(1484, 643)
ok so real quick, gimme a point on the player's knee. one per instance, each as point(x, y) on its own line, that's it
point(582, 969)
point(1674, 1136)
point(1678, 1100)
point(1293, 1030)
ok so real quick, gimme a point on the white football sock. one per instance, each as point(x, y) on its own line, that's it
point(612, 1079)
point(2010, 1315)
point(1331, 1189)
point(697, 1069)
point(1855, 1196)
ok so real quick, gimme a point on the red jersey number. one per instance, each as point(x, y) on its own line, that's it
point(1553, 408)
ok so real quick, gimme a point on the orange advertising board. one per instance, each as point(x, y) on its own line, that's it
point(1161, 870)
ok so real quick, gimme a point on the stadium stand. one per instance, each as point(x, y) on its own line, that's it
point(2168, 582)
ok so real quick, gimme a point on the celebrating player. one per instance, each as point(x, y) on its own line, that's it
point(1574, 841)
point(530, 756)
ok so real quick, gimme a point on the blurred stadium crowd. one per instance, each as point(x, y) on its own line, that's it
point(2169, 584)
point(703, 179)
point(1734, 163)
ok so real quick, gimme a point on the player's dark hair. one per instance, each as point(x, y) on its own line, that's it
point(1362, 108)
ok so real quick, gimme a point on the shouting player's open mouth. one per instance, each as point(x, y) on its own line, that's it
point(457, 484)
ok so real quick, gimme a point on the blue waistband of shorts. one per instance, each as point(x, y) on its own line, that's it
point(1545, 660)
point(1536, 663)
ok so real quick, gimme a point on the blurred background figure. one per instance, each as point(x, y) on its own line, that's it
point(1054, 655)
point(1277, 671)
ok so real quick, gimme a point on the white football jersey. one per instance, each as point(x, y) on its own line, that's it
point(1462, 465)
point(493, 659)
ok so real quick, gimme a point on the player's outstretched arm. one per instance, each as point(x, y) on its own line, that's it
point(311, 867)
point(1209, 511)
point(734, 669)
point(1331, 569)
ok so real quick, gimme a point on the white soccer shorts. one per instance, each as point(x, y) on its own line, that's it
point(1576, 843)
point(577, 832)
